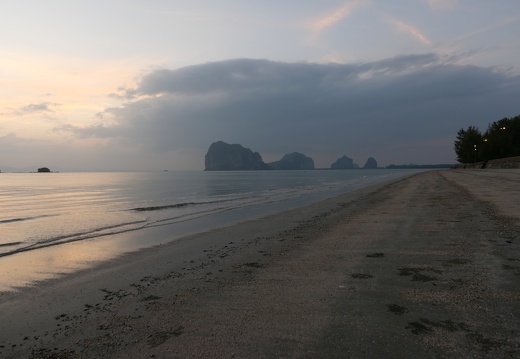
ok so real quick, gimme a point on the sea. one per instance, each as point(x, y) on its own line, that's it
point(55, 223)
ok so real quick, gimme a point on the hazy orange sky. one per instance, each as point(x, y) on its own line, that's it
point(139, 85)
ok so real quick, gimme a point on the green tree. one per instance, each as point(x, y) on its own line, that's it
point(502, 139)
point(513, 131)
point(467, 145)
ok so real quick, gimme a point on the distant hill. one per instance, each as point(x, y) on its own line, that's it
point(222, 156)
point(370, 164)
point(343, 163)
point(293, 161)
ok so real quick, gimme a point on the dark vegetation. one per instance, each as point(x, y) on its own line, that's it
point(501, 140)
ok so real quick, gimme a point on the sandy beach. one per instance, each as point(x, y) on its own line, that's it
point(427, 266)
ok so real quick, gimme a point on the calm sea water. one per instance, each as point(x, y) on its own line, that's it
point(56, 210)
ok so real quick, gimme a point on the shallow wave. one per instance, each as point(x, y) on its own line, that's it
point(97, 232)
point(177, 205)
point(10, 244)
point(123, 227)
point(116, 229)
point(21, 219)
point(158, 208)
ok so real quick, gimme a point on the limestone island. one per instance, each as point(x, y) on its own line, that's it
point(222, 156)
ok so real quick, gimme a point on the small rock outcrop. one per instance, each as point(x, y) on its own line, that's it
point(43, 169)
point(370, 164)
point(343, 163)
point(293, 161)
point(222, 156)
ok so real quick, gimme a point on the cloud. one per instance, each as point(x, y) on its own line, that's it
point(322, 110)
point(40, 108)
point(319, 25)
point(410, 30)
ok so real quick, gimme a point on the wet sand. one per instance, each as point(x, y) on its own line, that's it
point(427, 266)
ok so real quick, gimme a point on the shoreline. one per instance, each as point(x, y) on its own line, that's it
point(196, 238)
point(384, 257)
point(54, 258)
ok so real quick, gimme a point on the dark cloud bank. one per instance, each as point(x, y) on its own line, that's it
point(401, 110)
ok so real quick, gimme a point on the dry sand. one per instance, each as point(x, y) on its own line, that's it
point(423, 267)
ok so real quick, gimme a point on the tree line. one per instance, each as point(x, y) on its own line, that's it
point(501, 140)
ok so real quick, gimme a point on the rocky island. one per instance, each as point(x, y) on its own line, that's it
point(293, 161)
point(222, 156)
point(370, 164)
point(344, 163)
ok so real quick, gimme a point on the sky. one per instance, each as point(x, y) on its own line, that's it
point(113, 85)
